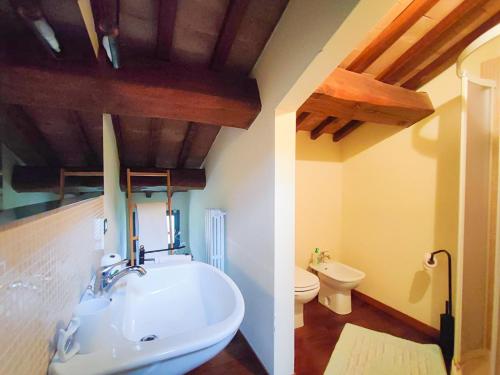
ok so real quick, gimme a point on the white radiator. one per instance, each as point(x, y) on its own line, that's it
point(214, 237)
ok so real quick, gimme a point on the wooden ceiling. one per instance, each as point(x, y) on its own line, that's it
point(47, 136)
point(376, 83)
point(183, 73)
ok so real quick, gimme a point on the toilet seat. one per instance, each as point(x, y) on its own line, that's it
point(305, 281)
point(307, 286)
point(301, 290)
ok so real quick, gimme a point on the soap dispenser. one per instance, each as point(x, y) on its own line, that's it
point(315, 256)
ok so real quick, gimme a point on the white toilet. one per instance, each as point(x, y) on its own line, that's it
point(337, 281)
point(306, 288)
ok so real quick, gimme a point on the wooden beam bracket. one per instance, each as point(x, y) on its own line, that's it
point(349, 95)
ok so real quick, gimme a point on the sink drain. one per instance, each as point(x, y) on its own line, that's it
point(149, 338)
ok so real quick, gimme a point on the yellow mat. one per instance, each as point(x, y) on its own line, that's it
point(361, 351)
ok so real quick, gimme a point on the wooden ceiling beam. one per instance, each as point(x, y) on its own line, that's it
point(106, 15)
point(319, 130)
point(300, 118)
point(350, 95)
point(166, 91)
point(329, 127)
point(166, 23)
point(401, 24)
point(21, 135)
point(465, 13)
point(154, 141)
point(308, 121)
point(444, 61)
point(187, 143)
point(202, 141)
point(96, 7)
point(46, 179)
point(448, 58)
point(89, 153)
point(347, 129)
point(414, 67)
point(232, 21)
point(181, 179)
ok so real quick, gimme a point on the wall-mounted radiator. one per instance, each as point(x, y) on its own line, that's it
point(214, 237)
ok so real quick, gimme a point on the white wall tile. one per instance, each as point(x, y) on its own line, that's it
point(45, 264)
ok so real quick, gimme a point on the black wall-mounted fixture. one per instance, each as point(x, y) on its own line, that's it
point(447, 321)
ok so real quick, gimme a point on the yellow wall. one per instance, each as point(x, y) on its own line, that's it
point(318, 171)
point(382, 197)
point(473, 62)
point(397, 198)
point(400, 199)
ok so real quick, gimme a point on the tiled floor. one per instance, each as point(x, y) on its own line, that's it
point(314, 342)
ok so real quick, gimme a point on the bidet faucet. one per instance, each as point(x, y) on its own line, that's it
point(324, 255)
point(104, 279)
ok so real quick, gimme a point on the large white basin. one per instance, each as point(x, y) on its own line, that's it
point(193, 309)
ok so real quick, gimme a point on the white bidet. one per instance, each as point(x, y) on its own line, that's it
point(337, 281)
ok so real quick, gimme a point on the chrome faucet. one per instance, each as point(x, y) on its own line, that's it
point(105, 279)
point(324, 255)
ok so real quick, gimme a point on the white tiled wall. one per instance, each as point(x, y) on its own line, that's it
point(45, 264)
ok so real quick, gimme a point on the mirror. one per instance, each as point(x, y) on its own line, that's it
point(50, 157)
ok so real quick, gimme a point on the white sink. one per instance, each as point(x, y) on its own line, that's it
point(192, 311)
